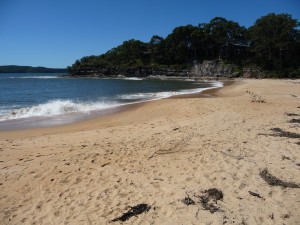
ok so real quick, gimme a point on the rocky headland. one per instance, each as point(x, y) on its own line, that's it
point(208, 69)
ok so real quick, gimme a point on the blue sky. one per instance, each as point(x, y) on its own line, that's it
point(54, 33)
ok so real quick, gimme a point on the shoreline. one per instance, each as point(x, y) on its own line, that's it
point(160, 154)
point(69, 119)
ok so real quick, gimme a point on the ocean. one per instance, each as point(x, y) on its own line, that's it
point(37, 100)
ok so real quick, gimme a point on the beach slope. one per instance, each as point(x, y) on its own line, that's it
point(230, 158)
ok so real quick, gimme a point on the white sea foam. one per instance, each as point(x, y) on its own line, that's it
point(61, 107)
point(138, 96)
point(218, 84)
point(53, 108)
point(167, 94)
point(189, 79)
point(132, 78)
point(214, 84)
point(35, 77)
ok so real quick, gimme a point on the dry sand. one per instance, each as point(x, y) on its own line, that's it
point(91, 172)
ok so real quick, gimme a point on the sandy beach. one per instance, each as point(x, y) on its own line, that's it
point(240, 141)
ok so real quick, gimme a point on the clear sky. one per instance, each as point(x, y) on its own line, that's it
point(54, 33)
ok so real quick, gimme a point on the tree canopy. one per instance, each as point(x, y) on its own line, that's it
point(275, 41)
point(272, 43)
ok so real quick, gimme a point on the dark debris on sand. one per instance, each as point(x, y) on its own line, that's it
point(134, 211)
point(281, 133)
point(292, 114)
point(208, 200)
point(255, 194)
point(295, 121)
point(274, 181)
point(188, 201)
point(214, 194)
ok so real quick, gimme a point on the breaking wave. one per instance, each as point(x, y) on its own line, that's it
point(53, 108)
point(61, 107)
point(161, 95)
point(132, 78)
point(34, 77)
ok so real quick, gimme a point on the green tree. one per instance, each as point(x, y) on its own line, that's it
point(272, 43)
point(224, 36)
point(179, 45)
point(157, 49)
point(273, 38)
point(133, 52)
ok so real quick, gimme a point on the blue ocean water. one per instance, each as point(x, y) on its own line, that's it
point(27, 96)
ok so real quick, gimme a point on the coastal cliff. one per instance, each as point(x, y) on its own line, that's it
point(208, 69)
point(130, 72)
point(220, 69)
point(215, 68)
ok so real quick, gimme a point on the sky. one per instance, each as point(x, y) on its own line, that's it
point(55, 33)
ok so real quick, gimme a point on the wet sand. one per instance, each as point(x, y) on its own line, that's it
point(159, 153)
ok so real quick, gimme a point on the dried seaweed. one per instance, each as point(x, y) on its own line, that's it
point(274, 181)
point(134, 211)
point(215, 194)
point(255, 194)
point(295, 121)
point(188, 201)
point(177, 146)
point(209, 198)
point(256, 98)
point(292, 114)
point(281, 133)
point(209, 206)
point(286, 158)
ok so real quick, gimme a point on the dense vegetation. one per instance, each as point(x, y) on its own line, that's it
point(29, 69)
point(272, 43)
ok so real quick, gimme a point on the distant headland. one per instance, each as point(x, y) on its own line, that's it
point(30, 69)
